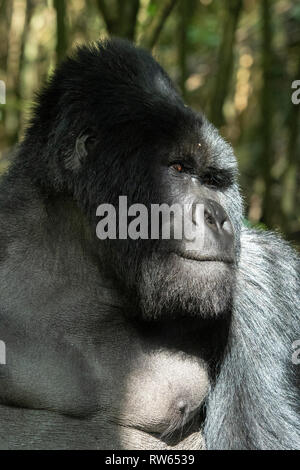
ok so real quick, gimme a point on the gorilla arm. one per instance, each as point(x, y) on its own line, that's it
point(255, 403)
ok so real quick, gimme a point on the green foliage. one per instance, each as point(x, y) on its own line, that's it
point(152, 9)
point(206, 35)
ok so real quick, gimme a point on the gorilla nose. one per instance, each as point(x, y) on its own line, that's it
point(218, 231)
point(215, 217)
point(215, 239)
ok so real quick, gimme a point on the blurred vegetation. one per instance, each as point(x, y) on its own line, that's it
point(235, 59)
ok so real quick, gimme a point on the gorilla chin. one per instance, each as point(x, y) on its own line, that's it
point(174, 286)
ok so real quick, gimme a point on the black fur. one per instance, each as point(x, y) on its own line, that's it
point(77, 314)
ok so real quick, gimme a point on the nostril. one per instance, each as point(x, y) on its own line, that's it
point(209, 219)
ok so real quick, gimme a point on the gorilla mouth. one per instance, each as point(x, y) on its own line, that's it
point(204, 258)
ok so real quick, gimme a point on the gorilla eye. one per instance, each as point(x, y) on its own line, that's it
point(179, 167)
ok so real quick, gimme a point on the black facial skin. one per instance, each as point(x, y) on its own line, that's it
point(137, 344)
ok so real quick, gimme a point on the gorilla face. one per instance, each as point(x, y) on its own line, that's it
point(181, 278)
point(174, 277)
point(141, 141)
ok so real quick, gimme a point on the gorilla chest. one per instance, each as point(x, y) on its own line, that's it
point(129, 392)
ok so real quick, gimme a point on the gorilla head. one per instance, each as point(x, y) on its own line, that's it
point(117, 126)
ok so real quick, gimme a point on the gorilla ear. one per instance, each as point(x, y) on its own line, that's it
point(76, 159)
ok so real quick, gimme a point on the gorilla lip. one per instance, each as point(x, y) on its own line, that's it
point(215, 259)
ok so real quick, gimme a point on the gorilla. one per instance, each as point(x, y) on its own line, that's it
point(142, 343)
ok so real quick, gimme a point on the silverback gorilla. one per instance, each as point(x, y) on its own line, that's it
point(138, 344)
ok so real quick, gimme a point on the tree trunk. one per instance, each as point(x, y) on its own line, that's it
point(5, 22)
point(151, 35)
point(184, 12)
point(61, 30)
point(120, 17)
point(232, 10)
point(289, 183)
point(18, 84)
point(266, 113)
point(15, 63)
